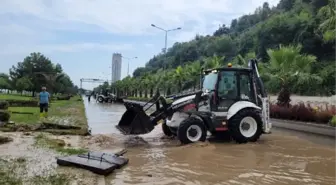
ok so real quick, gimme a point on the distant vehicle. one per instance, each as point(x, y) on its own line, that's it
point(107, 99)
point(87, 93)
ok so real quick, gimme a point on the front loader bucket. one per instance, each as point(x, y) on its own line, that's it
point(135, 121)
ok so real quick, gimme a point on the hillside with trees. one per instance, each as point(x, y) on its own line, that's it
point(294, 43)
point(35, 71)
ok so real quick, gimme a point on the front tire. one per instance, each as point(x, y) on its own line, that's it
point(246, 126)
point(191, 130)
point(100, 99)
point(166, 129)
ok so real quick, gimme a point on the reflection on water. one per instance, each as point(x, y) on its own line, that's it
point(279, 158)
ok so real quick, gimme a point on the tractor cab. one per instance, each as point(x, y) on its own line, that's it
point(228, 85)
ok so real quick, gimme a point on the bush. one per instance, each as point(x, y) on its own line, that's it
point(138, 99)
point(63, 97)
point(4, 105)
point(302, 112)
point(333, 121)
point(22, 103)
point(4, 115)
point(144, 99)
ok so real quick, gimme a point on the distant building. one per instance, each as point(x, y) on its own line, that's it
point(116, 67)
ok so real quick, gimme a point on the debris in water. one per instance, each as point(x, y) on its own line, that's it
point(4, 139)
point(135, 141)
point(97, 162)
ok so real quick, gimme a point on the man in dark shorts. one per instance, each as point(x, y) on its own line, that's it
point(44, 98)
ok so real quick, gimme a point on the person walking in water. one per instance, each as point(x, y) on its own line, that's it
point(89, 97)
point(44, 98)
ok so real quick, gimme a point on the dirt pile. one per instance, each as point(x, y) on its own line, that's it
point(4, 139)
point(57, 129)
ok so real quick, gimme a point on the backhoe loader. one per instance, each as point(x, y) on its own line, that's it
point(231, 101)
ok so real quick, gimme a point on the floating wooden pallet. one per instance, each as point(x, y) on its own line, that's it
point(97, 162)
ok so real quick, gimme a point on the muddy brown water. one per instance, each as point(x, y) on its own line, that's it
point(282, 157)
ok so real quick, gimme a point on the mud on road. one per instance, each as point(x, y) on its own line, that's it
point(275, 159)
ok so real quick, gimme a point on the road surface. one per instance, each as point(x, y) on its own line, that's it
point(282, 157)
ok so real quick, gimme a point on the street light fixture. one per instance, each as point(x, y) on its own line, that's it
point(166, 34)
point(128, 59)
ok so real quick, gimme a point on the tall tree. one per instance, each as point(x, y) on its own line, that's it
point(328, 26)
point(288, 66)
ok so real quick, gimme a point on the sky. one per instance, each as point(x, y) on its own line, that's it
point(82, 35)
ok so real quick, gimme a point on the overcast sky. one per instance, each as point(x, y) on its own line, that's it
point(82, 35)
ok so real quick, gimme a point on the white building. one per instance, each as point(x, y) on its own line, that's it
point(116, 67)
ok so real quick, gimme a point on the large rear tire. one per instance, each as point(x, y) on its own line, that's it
point(246, 126)
point(191, 130)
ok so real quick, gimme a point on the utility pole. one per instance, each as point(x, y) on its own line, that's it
point(128, 60)
point(166, 35)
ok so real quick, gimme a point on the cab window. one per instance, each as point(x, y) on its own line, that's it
point(227, 86)
point(245, 87)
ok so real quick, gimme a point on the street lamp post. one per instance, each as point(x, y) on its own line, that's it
point(166, 35)
point(128, 59)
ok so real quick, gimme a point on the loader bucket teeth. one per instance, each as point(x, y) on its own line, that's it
point(135, 121)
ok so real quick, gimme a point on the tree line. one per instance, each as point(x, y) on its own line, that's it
point(293, 41)
point(35, 71)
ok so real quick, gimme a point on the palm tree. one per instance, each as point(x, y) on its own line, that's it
point(193, 71)
point(328, 26)
point(213, 62)
point(156, 82)
point(146, 83)
point(139, 86)
point(166, 81)
point(288, 66)
point(179, 77)
point(241, 61)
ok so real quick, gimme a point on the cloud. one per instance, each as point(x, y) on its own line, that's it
point(50, 48)
point(127, 17)
point(74, 26)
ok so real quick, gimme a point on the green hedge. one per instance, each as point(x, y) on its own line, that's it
point(4, 115)
point(22, 103)
point(4, 105)
point(63, 98)
point(144, 99)
point(138, 99)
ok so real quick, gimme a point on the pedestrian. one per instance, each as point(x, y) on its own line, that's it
point(44, 98)
point(89, 97)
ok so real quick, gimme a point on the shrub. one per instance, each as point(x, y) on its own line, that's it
point(22, 103)
point(4, 105)
point(4, 115)
point(302, 112)
point(144, 99)
point(333, 121)
point(63, 97)
point(323, 117)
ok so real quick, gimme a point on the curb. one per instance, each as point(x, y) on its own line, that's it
point(311, 128)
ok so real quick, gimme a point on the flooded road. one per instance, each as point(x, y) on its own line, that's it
point(280, 158)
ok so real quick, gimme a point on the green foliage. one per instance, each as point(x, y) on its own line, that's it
point(4, 105)
point(23, 84)
point(294, 43)
point(35, 71)
point(333, 121)
point(328, 15)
